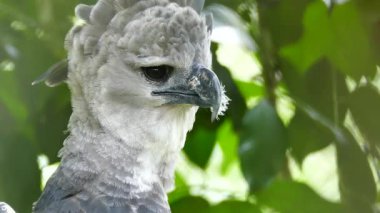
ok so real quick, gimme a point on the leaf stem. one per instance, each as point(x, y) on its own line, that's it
point(268, 61)
point(335, 97)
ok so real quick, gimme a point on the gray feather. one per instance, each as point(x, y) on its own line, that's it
point(83, 12)
point(55, 75)
point(209, 21)
point(60, 192)
point(197, 5)
point(122, 4)
point(102, 12)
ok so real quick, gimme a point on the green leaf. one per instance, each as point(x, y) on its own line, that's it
point(315, 40)
point(263, 143)
point(356, 181)
point(250, 89)
point(339, 36)
point(238, 106)
point(232, 206)
point(10, 97)
point(370, 16)
point(189, 205)
point(201, 142)
point(181, 189)
point(19, 173)
point(228, 142)
point(294, 197)
point(282, 20)
point(306, 136)
point(326, 91)
point(51, 122)
point(364, 104)
point(322, 87)
point(352, 51)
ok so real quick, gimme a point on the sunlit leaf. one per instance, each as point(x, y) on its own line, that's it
point(315, 40)
point(340, 36)
point(263, 143)
point(352, 51)
point(250, 89)
point(228, 142)
point(294, 197)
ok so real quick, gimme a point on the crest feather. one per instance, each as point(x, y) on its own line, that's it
point(83, 12)
point(104, 10)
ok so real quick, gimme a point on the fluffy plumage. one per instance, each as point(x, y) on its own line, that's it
point(126, 131)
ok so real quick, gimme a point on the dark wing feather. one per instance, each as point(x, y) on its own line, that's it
point(60, 192)
point(55, 75)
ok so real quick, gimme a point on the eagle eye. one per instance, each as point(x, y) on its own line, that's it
point(157, 73)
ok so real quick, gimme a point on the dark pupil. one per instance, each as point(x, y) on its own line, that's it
point(157, 73)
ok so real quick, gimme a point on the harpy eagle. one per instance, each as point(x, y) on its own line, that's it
point(137, 70)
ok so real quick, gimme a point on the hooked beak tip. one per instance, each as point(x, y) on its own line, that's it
point(214, 113)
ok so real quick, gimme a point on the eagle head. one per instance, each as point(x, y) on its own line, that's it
point(138, 71)
point(146, 65)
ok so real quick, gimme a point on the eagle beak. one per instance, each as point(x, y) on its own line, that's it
point(201, 88)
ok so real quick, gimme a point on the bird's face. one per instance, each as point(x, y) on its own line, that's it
point(157, 72)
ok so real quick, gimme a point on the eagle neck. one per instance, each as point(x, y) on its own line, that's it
point(117, 160)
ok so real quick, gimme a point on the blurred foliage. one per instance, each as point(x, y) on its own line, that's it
point(318, 87)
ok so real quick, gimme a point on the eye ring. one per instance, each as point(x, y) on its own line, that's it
point(158, 74)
